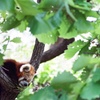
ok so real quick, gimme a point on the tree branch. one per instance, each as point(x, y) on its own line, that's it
point(37, 54)
point(56, 49)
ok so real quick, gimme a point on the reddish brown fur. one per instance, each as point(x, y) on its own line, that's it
point(12, 63)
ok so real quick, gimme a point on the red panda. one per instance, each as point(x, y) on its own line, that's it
point(23, 72)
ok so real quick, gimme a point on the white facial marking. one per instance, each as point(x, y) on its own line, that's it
point(25, 65)
point(21, 78)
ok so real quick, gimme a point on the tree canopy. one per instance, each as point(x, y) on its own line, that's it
point(70, 20)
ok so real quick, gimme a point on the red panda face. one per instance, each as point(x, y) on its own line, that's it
point(25, 75)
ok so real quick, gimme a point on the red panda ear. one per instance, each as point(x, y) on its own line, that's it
point(25, 68)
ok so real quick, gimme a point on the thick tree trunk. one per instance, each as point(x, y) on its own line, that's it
point(37, 54)
point(8, 89)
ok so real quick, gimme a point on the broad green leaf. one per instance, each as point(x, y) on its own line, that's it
point(85, 49)
point(84, 61)
point(96, 75)
point(76, 88)
point(27, 7)
point(97, 27)
point(82, 25)
point(4, 47)
point(11, 22)
point(91, 91)
point(25, 94)
point(86, 72)
point(39, 24)
point(82, 4)
point(69, 11)
point(63, 96)
point(81, 62)
point(92, 14)
point(1, 58)
point(62, 80)
point(73, 48)
point(7, 5)
point(50, 3)
point(22, 26)
point(50, 37)
point(16, 40)
point(44, 94)
point(66, 29)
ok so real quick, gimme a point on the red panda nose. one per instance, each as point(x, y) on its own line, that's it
point(23, 83)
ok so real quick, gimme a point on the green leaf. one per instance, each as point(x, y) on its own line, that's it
point(82, 4)
point(63, 95)
point(73, 49)
point(16, 40)
point(50, 37)
point(76, 88)
point(81, 62)
point(85, 49)
point(27, 7)
point(22, 26)
point(4, 47)
point(86, 72)
point(92, 14)
point(66, 29)
point(39, 24)
point(96, 75)
point(82, 25)
point(84, 61)
point(7, 5)
point(97, 27)
point(44, 94)
point(62, 81)
point(91, 91)
point(50, 3)
point(1, 58)
point(11, 22)
point(69, 11)
point(64, 26)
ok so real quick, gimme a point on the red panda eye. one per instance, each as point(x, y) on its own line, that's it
point(26, 69)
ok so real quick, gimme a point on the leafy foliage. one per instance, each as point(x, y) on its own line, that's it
point(62, 80)
point(47, 21)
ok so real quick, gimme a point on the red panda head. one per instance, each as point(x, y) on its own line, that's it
point(25, 74)
point(22, 72)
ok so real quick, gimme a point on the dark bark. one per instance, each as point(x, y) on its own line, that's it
point(8, 89)
point(37, 54)
point(56, 49)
